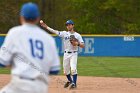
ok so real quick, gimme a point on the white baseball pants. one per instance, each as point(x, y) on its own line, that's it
point(18, 85)
point(70, 63)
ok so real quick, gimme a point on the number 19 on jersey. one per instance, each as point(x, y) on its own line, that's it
point(37, 48)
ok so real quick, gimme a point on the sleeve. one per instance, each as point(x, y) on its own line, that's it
point(6, 51)
point(59, 33)
point(80, 39)
point(1, 65)
point(55, 64)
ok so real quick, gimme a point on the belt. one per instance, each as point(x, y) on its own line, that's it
point(27, 78)
point(70, 51)
point(33, 79)
point(41, 79)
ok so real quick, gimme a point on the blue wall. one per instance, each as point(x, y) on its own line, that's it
point(116, 46)
point(104, 46)
point(1, 39)
point(107, 46)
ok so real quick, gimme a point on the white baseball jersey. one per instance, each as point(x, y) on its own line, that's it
point(66, 39)
point(30, 51)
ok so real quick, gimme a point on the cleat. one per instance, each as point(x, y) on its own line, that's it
point(67, 84)
point(73, 86)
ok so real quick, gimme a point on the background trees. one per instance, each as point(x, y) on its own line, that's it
point(90, 16)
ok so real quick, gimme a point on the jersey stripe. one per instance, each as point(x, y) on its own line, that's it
point(54, 68)
point(1, 65)
point(54, 72)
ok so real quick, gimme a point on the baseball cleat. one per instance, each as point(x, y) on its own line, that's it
point(67, 84)
point(73, 86)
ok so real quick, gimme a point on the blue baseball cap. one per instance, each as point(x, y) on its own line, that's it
point(30, 11)
point(69, 22)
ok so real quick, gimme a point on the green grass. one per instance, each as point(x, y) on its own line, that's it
point(109, 66)
point(105, 67)
point(4, 71)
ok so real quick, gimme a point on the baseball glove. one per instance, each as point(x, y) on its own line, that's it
point(73, 40)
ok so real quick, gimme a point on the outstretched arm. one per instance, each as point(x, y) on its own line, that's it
point(48, 28)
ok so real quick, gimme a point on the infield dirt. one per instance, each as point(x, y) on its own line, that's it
point(88, 84)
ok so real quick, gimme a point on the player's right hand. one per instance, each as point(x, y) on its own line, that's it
point(43, 24)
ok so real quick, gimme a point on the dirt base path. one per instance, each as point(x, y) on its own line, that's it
point(90, 84)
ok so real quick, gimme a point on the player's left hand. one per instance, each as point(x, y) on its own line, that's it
point(74, 43)
point(73, 40)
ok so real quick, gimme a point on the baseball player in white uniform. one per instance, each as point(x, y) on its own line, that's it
point(31, 53)
point(72, 40)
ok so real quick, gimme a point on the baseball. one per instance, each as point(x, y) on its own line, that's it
point(41, 21)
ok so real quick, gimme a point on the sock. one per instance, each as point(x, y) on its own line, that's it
point(69, 77)
point(75, 79)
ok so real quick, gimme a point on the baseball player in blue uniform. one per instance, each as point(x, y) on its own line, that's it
point(72, 40)
point(31, 53)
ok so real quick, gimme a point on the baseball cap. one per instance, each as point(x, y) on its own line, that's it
point(30, 11)
point(69, 22)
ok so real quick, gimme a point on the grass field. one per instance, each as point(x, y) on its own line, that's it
point(109, 66)
point(105, 67)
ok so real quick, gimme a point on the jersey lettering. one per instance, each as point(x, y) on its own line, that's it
point(37, 48)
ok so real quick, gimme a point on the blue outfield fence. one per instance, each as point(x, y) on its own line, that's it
point(104, 45)
point(107, 46)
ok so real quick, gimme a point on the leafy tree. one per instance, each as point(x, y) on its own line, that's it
point(90, 16)
point(108, 16)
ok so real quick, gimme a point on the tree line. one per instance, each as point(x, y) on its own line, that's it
point(90, 16)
